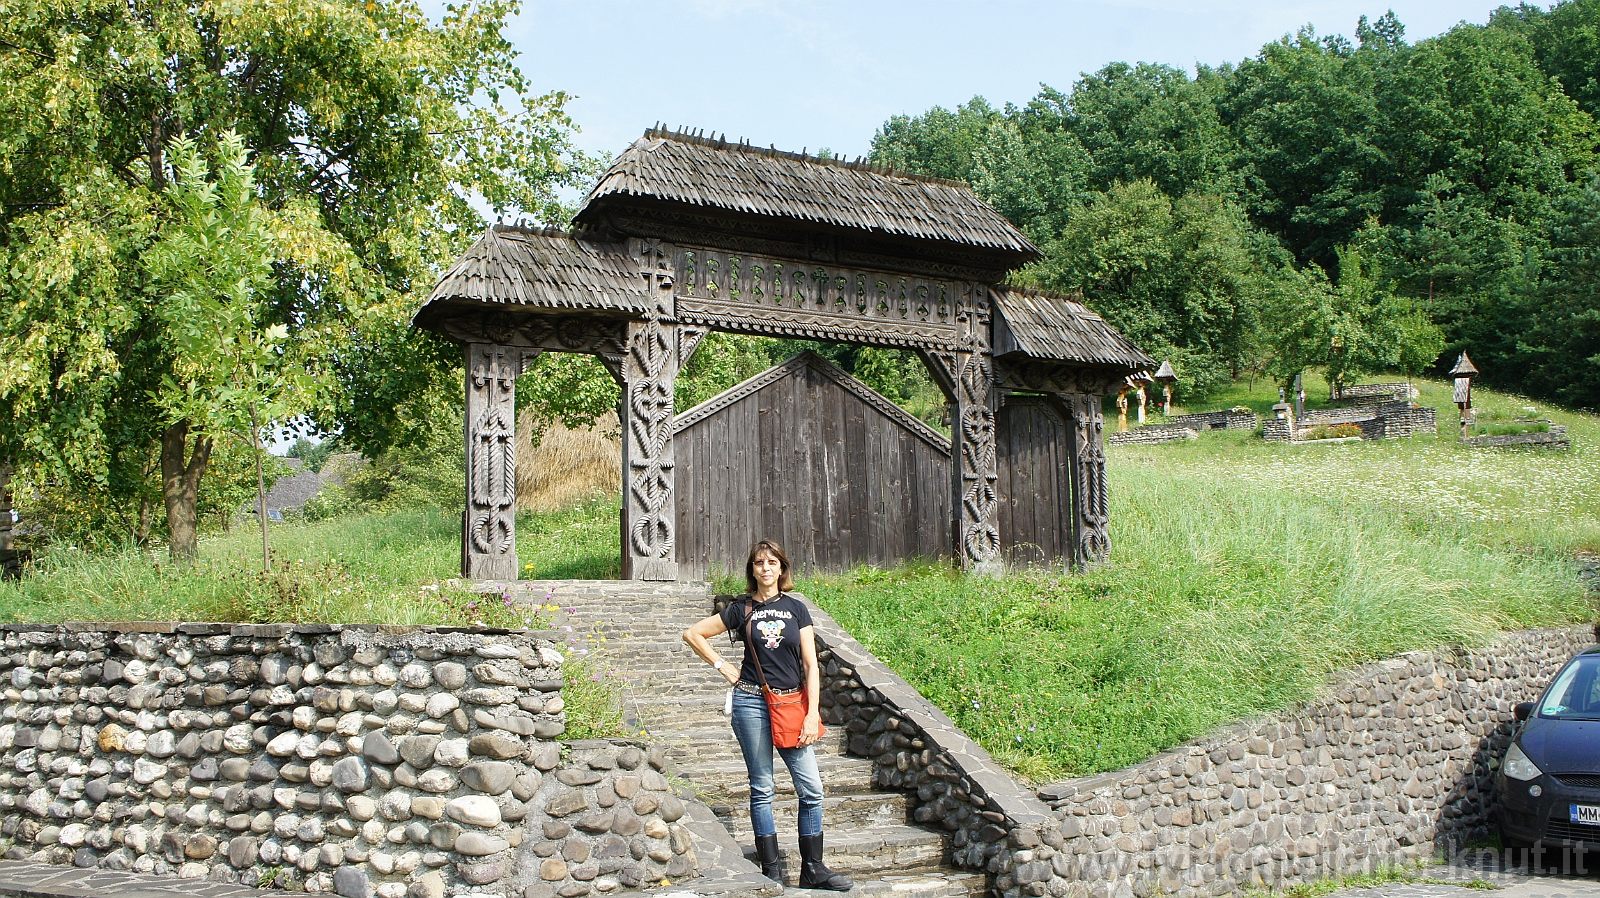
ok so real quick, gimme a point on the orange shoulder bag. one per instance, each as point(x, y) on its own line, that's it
point(787, 711)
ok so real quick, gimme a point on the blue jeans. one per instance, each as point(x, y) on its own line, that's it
point(753, 728)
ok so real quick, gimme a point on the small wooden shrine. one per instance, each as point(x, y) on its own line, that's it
point(684, 235)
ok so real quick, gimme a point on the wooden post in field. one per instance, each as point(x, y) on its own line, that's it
point(1463, 372)
point(1167, 377)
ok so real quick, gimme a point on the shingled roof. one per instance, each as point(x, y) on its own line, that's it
point(736, 177)
point(540, 268)
point(1051, 327)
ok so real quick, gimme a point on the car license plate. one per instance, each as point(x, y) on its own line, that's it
point(1585, 813)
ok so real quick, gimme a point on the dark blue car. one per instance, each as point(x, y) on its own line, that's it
point(1549, 782)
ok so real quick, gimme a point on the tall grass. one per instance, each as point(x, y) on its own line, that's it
point(1221, 602)
point(390, 568)
point(567, 466)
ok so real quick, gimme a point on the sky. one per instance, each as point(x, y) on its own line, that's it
point(807, 74)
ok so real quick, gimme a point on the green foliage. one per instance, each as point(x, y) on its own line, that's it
point(376, 567)
point(593, 695)
point(1233, 589)
point(313, 455)
point(1512, 428)
point(370, 126)
point(1177, 277)
point(1209, 214)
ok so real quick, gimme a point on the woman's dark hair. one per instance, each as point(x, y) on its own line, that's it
point(785, 581)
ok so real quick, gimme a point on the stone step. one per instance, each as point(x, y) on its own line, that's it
point(932, 884)
point(726, 781)
point(839, 812)
point(863, 853)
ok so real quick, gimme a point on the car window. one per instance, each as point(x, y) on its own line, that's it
point(1576, 692)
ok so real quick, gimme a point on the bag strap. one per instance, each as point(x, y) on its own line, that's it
point(750, 645)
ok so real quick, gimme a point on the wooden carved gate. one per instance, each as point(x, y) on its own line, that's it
point(683, 235)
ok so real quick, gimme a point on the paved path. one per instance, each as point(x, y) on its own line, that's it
point(1485, 867)
point(31, 880)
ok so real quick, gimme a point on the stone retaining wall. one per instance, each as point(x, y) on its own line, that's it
point(1385, 420)
point(1378, 391)
point(1154, 433)
point(1392, 764)
point(607, 819)
point(360, 759)
point(1555, 439)
point(1227, 419)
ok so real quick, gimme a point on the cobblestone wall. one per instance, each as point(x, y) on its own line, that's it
point(1154, 433)
point(1387, 420)
point(1555, 439)
point(1227, 419)
point(1393, 764)
point(360, 759)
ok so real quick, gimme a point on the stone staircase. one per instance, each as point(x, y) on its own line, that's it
point(636, 629)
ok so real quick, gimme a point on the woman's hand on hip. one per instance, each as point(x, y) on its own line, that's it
point(730, 672)
point(810, 729)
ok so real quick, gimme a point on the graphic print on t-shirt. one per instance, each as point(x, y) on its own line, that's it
point(772, 631)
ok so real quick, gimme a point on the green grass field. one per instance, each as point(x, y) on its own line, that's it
point(1242, 574)
point(395, 568)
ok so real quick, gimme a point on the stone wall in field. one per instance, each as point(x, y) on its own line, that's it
point(1386, 420)
point(1392, 764)
point(1227, 419)
point(395, 761)
point(1154, 433)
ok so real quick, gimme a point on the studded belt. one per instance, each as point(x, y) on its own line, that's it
point(754, 689)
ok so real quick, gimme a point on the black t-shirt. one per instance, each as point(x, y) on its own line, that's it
point(775, 633)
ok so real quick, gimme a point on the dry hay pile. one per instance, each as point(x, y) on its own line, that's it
point(567, 466)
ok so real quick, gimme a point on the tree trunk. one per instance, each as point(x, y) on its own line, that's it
point(261, 492)
point(5, 506)
point(180, 487)
point(141, 533)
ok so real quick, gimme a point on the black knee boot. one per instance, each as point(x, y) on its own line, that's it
point(814, 874)
point(771, 859)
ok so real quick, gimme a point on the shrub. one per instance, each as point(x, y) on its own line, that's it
point(1330, 432)
point(1510, 429)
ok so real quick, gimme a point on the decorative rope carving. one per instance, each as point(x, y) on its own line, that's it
point(1091, 504)
point(491, 460)
point(655, 350)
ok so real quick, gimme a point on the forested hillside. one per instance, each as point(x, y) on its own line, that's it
point(1357, 205)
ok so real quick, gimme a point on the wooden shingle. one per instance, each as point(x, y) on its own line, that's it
point(1051, 327)
point(733, 177)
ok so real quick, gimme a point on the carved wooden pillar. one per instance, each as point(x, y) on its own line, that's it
point(657, 348)
point(1091, 513)
point(489, 536)
point(967, 378)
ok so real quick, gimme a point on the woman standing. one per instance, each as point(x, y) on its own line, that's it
point(780, 651)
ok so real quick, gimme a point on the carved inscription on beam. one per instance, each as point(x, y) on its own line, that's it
point(786, 297)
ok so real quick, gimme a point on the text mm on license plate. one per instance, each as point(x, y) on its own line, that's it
point(1586, 813)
